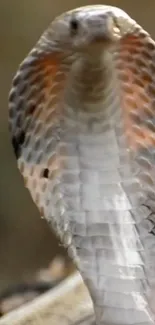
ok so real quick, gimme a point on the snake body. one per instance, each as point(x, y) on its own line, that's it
point(81, 113)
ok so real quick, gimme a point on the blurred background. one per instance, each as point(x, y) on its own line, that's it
point(26, 242)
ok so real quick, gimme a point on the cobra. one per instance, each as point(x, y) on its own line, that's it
point(81, 116)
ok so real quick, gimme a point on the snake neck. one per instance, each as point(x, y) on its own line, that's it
point(103, 198)
point(90, 83)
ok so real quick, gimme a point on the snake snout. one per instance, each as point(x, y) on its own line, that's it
point(103, 28)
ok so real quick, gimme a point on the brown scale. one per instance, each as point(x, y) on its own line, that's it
point(136, 79)
point(137, 96)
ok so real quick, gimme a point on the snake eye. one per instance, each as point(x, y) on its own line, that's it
point(74, 25)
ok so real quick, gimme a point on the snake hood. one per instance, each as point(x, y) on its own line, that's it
point(81, 116)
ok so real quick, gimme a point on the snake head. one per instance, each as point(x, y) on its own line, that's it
point(83, 27)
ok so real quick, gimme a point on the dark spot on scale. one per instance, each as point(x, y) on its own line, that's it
point(31, 109)
point(18, 121)
point(11, 113)
point(152, 232)
point(16, 80)
point(23, 88)
point(46, 173)
point(12, 96)
point(17, 142)
point(40, 98)
point(20, 105)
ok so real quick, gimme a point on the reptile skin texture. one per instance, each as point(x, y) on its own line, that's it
point(82, 122)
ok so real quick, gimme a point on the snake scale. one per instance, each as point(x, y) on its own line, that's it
point(82, 122)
